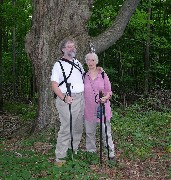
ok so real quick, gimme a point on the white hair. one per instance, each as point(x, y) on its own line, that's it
point(95, 57)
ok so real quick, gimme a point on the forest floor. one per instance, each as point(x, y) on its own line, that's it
point(153, 168)
point(17, 154)
point(141, 134)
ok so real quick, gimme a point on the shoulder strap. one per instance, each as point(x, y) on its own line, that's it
point(84, 73)
point(73, 64)
point(102, 74)
point(65, 78)
point(87, 71)
point(63, 72)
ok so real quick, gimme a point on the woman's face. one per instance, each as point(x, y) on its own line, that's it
point(91, 62)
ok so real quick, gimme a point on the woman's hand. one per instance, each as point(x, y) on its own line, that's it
point(103, 100)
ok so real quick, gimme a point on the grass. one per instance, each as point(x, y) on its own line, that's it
point(140, 132)
point(32, 159)
point(24, 111)
point(142, 142)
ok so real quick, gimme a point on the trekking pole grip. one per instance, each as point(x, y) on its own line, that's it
point(100, 94)
point(68, 85)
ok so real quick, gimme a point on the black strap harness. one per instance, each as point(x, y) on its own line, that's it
point(63, 72)
point(73, 65)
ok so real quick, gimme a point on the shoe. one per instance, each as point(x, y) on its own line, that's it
point(112, 155)
point(91, 151)
point(59, 163)
point(112, 158)
point(75, 152)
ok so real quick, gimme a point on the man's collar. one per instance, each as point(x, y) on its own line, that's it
point(67, 58)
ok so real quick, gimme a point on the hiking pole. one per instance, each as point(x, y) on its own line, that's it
point(100, 96)
point(107, 143)
point(69, 93)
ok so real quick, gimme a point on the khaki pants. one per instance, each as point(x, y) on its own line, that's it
point(64, 136)
point(91, 136)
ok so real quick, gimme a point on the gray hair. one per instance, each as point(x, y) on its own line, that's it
point(65, 41)
point(95, 57)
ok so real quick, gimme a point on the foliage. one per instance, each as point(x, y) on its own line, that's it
point(37, 157)
point(140, 132)
point(103, 13)
point(126, 57)
point(124, 61)
point(25, 112)
point(142, 139)
point(17, 76)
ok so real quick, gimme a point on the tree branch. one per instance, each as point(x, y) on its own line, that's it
point(114, 32)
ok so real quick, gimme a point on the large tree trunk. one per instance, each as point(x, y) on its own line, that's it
point(53, 21)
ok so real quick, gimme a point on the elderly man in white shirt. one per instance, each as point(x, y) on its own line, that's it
point(68, 71)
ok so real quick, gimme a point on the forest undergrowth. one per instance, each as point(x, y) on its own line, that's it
point(142, 141)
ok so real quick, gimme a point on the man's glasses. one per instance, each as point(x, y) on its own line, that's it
point(70, 47)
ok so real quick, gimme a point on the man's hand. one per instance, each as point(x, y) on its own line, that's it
point(69, 99)
point(100, 69)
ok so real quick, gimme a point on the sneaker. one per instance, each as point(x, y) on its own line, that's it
point(91, 151)
point(111, 155)
point(112, 158)
point(75, 152)
point(59, 162)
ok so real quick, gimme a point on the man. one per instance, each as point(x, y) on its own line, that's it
point(68, 71)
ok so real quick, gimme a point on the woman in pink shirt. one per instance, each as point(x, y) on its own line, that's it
point(95, 82)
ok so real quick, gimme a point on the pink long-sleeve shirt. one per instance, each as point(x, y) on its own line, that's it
point(91, 95)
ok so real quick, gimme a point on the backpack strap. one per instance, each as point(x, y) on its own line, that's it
point(102, 74)
point(73, 64)
point(84, 74)
point(63, 72)
point(87, 71)
point(65, 78)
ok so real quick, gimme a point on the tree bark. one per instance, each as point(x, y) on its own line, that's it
point(53, 21)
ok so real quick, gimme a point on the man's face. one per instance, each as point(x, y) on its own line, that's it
point(70, 50)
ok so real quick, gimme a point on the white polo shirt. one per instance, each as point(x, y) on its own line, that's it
point(76, 77)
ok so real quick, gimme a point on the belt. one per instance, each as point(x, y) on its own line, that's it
point(76, 94)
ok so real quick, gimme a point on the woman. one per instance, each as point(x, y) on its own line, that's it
point(94, 82)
